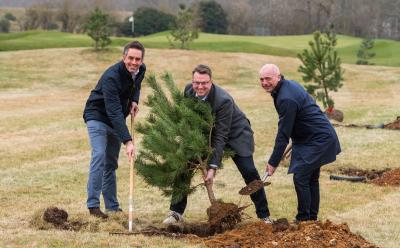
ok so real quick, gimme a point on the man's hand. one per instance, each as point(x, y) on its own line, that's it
point(209, 179)
point(270, 169)
point(134, 109)
point(130, 150)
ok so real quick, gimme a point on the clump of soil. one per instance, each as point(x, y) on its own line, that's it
point(369, 174)
point(224, 216)
point(390, 177)
point(393, 125)
point(306, 234)
point(253, 187)
point(335, 114)
point(59, 218)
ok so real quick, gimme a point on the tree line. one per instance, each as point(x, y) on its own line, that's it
point(361, 18)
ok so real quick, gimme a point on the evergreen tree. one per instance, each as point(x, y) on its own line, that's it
point(364, 53)
point(176, 140)
point(321, 67)
point(150, 20)
point(98, 28)
point(213, 18)
point(183, 29)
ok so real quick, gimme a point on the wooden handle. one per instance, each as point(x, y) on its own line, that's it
point(131, 180)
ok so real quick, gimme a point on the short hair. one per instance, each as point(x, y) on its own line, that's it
point(135, 45)
point(202, 69)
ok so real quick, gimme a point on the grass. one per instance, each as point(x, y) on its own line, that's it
point(288, 46)
point(44, 151)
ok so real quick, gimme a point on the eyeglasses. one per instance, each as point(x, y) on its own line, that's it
point(201, 83)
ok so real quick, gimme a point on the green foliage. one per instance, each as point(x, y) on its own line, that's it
point(213, 18)
point(176, 138)
point(98, 28)
point(150, 20)
point(364, 54)
point(321, 67)
point(4, 25)
point(9, 16)
point(183, 29)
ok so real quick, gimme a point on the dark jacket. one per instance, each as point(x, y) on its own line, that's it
point(314, 139)
point(232, 128)
point(110, 101)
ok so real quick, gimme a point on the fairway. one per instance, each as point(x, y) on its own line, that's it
point(387, 51)
point(44, 151)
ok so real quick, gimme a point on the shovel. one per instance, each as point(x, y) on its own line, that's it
point(255, 185)
point(131, 183)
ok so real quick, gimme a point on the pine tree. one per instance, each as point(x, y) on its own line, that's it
point(363, 53)
point(98, 28)
point(176, 140)
point(183, 28)
point(321, 67)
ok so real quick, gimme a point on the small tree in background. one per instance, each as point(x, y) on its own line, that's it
point(9, 16)
point(321, 67)
point(364, 53)
point(4, 25)
point(176, 140)
point(98, 28)
point(183, 28)
point(150, 20)
point(213, 18)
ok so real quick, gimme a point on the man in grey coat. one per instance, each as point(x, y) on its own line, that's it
point(232, 130)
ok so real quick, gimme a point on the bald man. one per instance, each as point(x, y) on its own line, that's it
point(314, 140)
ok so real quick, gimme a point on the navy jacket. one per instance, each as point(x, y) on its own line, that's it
point(232, 128)
point(110, 101)
point(314, 139)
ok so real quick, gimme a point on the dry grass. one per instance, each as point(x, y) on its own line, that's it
point(44, 152)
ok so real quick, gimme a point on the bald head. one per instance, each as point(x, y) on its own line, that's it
point(269, 77)
point(270, 69)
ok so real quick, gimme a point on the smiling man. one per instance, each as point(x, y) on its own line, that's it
point(115, 96)
point(232, 130)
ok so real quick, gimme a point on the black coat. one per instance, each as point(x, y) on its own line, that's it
point(314, 139)
point(110, 101)
point(232, 128)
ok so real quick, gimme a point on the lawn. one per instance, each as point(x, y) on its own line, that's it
point(44, 152)
point(387, 51)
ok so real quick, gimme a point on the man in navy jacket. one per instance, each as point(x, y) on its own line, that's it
point(314, 140)
point(115, 96)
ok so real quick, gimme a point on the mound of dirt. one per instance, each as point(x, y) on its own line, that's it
point(393, 125)
point(224, 216)
point(306, 234)
point(390, 177)
point(369, 174)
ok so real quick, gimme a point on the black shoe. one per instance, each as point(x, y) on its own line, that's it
point(96, 212)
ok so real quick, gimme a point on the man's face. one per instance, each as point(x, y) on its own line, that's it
point(133, 59)
point(201, 84)
point(269, 80)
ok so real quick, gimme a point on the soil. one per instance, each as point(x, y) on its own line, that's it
point(59, 218)
point(284, 234)
point(253, 187)
point(335, 114)
point(224, 216)
point(393, 125)
point(369, 174)
point(389, 178)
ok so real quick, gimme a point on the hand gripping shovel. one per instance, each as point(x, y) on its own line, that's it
point(255, 185)
point(131, 183)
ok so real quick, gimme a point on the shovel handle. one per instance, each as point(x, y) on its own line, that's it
point(131, 180)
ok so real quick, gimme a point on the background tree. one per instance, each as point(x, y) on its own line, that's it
point(321, 67)
point(9, 16)
point(212, 17)
point(176, 140)
point(183, 28)
point(150, 20)
point(364, 54)
point(98, 28)
point(4, 25)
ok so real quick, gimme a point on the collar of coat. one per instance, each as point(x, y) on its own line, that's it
point(278, 86)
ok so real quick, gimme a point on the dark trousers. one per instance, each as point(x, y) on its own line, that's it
point(249, 173)
point(307, 190)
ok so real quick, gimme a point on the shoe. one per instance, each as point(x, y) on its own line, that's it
point(108, 211)
point(267, 220)
point(96, 212)
point(173, 217)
